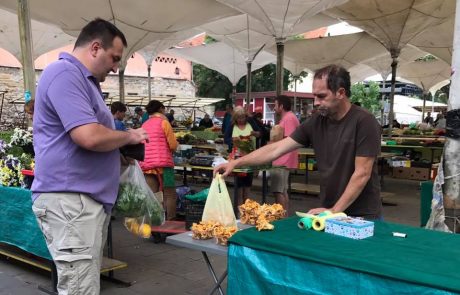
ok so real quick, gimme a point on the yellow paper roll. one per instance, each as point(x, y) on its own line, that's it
point(320, 222)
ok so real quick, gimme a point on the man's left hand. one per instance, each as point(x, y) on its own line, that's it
point(316, 211)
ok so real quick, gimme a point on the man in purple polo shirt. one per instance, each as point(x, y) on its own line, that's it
point(77, 159)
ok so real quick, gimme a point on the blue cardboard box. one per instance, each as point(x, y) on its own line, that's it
point(350, 227)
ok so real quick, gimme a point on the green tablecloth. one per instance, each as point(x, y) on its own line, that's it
point(19, 226)
point(425, 257)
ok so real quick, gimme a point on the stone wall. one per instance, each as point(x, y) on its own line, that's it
point(11, 81)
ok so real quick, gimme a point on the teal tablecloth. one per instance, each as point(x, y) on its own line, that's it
point(19, 226)
point(426, 259)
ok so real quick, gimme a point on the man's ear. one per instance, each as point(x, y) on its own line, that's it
point(341, 92)
point(94, 47)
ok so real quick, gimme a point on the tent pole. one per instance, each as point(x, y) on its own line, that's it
point(248, 82)
point(121, 81)
point(149, 69)
point(233, 94)
point(25, 35)
point(394, 65)
point(425, 95)
point(295, 94)
point(279, 65)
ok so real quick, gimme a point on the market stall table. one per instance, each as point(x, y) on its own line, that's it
point(289, 260)
point(21, 236)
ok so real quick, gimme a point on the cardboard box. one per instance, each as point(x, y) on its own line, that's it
point(417, 173)
point(413, 173)
point(349, 227)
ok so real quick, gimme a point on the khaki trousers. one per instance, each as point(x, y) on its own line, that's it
point(75, 230)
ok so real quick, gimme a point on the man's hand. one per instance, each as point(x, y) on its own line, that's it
point(316, 211)
point(226, 168)
point(137, 136)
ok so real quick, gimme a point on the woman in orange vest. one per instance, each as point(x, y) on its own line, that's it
point(158, 152)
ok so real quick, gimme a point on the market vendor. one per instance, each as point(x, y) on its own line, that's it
point(346, 140)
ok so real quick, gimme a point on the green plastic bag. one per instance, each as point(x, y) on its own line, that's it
point(198, 197)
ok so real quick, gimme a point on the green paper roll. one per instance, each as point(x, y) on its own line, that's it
point(305, 223)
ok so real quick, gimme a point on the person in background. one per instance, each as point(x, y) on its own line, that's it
point(242, 129)
point(440, 122)
point(346, 140)
point(279, 177)
point(227, 121)
point(118, 110)
point(158, 154)
point(264, 131)
point(170, 117)
point(206, 122)
point(428, 119)
point(77, 156)
point(142, 116)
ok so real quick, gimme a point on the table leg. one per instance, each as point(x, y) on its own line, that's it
point(381, 163)
point(184, 177)
point(213, 273)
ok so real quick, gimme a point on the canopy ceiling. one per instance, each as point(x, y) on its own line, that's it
point(142, 22)
point(426, 74)
point(222, 58)
point(394, 22)
point(45, 37)
point(437, 40)
point(345, 50)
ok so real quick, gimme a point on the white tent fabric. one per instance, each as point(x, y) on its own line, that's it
point(222, 58)
point(150, 51)
point(394, 22)
point(142, 22)
point(282, 18)
point(382, 64)
point(249, 35)
point(346, 50)
point(426, 74)
point(437, 40)
point(169, 102)
point(45, 37)
point(405, 108)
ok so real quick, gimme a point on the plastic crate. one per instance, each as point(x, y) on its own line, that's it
point(193, 212)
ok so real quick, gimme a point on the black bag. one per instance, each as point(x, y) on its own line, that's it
point(134, 151)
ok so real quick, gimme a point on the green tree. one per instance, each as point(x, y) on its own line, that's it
point(368, 95)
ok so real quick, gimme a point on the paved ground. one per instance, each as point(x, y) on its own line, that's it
point(165, 269)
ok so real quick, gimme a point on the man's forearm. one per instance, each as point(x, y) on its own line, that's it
point(268, 153)
point(354, 188)
point(98, 138)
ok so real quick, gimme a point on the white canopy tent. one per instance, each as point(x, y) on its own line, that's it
point(437, 40)
point(282, 18)
point(45, 37)
point(345, 50)
point(394, 22)
point(220, 57)
point(142, 23)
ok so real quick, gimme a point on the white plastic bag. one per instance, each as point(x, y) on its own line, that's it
point(218, 205)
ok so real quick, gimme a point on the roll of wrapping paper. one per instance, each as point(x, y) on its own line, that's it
point(306, 222)
point(319, 222)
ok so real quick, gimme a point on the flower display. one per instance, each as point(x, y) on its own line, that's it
point(21, 137)
point(10, 171)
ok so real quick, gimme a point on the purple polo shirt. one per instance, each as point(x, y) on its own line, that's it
point(69, 96)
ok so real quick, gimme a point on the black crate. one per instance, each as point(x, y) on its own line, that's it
point(193, 212)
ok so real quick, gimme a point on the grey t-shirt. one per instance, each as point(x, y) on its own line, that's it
point(336, 145)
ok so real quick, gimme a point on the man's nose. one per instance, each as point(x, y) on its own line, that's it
point(316, 102)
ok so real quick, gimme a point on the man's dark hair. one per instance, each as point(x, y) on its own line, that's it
point(285, 101)
point(100, 29)
point(153, 107)
point(337, 77)
point(117, 106)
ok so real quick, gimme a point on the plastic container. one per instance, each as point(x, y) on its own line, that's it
point(28, 178)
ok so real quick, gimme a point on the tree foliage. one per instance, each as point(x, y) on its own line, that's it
point(368, 95)
point(210, 83)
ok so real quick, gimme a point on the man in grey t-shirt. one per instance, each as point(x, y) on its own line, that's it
point(346, 140)
point(77, 159)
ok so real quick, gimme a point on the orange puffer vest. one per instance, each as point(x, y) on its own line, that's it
point(157, 152)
